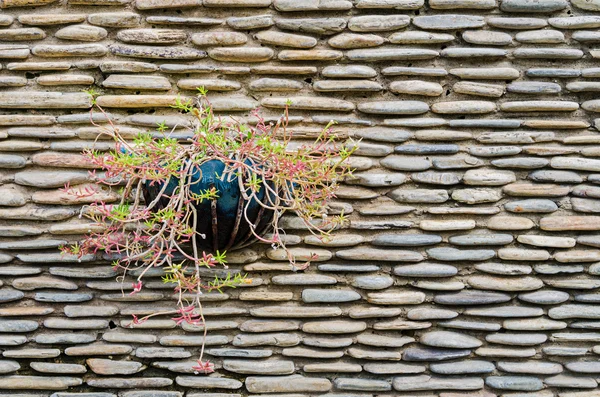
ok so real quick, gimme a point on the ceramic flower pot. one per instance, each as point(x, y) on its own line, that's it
point(224, 221)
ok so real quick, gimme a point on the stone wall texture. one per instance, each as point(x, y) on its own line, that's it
point(470, 267)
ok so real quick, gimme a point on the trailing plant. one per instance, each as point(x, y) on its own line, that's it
point(162, 231)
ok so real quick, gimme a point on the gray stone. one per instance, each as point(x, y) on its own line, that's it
point(514, 383)
point(570, 381)
point(8, 366)
point(433, 354)
point(323, 26)
point(481, 239)
point(406, 240)
point(375, 254)
point(448, 22)
point(405, 163)
point(22, 382)
point(128, 383)
point(51, 339)
point(386, 55)
point(453, 254)
point(380, 23)
point(425, 270)
point(448, 339)
point(545, 297)
point(463, 367)
point(269, 367)
point(472, 297)
point(426, 382)
point(531, 206)
point(505, 284)
point(286, 384)
point(10, 295)
point(419, 195)
point(372, 282)
point(329, 296)
point(362, 384)
point(530, 367)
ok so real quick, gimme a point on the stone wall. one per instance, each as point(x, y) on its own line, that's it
point(470, 267)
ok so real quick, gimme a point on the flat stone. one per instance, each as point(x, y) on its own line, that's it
point(479, 89)
point(323, 26)
point(380, 23)
point(20, 382)
point(270, 367)
point(240, 23)
point(406, 240)
point(128, 383)
point(505, 284)
point(570, 381)
point(514, 383)
point(396, 298)
point(530, 367)
point(171, 52)
point(416, 87)
point(333, 367)
point(517, 339)
point(436, 178)
point(329, 296)
point(426, 382)
point(372, 282)
point(208, 382)
point(537, 324)
point(453, 254)
point(471, 297)
point(464, 107)
point(481, 239)
point(8, 366)
point(135, 82)
point(385, 55)
point(299, 312)
point(309, 103)
point(574, 311)
point(375, 254)
point(430, 314)
point(448, 339)
point(267, 37)
point(394, 107)
point(286, 384)
point(590, 5)
point(103, 366)
point(419, 195)
point(574, 223)
point(425, 270)
point(75, 50)
point(32, 283)
point(448, 22)
point(463, 367)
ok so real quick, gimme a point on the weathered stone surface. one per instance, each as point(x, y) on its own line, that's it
point(448, 339)
point(287, 384)
point(448, 22)
point(426, 382)
point(324, 26)
point(463, 367)
point(21, 382)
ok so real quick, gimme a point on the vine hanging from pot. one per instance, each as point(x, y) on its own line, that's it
point(185, 202)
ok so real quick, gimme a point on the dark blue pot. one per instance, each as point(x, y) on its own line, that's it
point(221, 220)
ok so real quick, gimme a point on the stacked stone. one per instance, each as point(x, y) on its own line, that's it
point(469, 268)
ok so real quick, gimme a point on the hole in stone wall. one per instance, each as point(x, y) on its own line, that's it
point(112, 325)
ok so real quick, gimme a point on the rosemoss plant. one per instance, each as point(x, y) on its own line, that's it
point(162, 231)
